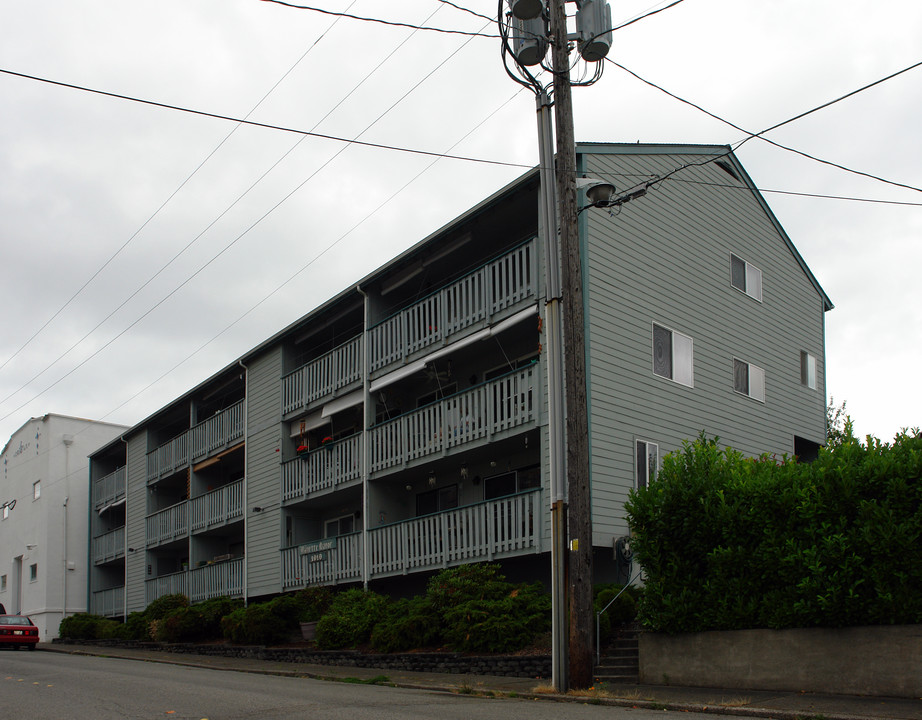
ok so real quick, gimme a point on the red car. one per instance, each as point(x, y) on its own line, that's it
point(18, 631)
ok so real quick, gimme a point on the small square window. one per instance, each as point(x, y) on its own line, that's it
point(36, 489)
point(808, 370)
point(745, 277)
point(33, 572)
point(749, 379)
point(673, 355)
point(646, 463)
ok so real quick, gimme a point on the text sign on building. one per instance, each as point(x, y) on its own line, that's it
point(317, 550)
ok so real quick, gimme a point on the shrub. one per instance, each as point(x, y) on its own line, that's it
point(163, 606)
point(620, 612)
point(730, 542)
point(350, 619)
point(81, 626)
point(409, 623)
point(313, 603)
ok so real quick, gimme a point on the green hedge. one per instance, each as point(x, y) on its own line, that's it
point(729, 542)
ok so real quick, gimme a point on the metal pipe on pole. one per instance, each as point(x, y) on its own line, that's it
point(547, 214)
point(579, 519)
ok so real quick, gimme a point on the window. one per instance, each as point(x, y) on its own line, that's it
point(749, 380)
point(2, 583)
point(36, 489)
point(808, 370)
point(339, 526)
point(435, 501)
point(510, 483)
point(6, 511)
point(745, 277)
point(672, 355)
point(646, 463)
point(33, 572)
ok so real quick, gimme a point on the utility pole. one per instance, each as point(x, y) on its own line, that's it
point(531, 27)
point(578, 491)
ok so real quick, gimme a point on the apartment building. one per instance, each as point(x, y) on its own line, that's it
point(43, 517)
point(401, 427)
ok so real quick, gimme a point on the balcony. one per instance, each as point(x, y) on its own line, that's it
point(214, 434)
point(481, 412)
point(203, 583)
point(487, 530)
point(110, 488)
point(490, 292)
point(166, 585)
point(327, 375)
point(216, 580)
point(474, 533)
point(325, 468)
point(108, 603)
point(217, 507)
point(343, 563)
point(168, 524)
point(109, 546)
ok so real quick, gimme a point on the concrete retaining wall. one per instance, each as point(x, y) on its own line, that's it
point(881, 660)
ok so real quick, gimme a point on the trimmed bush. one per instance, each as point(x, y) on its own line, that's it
point(410, 623)
point(729, 542)
point(163, 606)
point(350, 619)
point(81, 626)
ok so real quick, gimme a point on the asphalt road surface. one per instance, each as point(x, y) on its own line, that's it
point(46, 686)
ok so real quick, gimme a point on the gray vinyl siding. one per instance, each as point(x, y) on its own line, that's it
point(135, 524)
point(263, 529)
point(665, 259)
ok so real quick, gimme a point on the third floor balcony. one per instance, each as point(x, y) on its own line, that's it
point(213, 435)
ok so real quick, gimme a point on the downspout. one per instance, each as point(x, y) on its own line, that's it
point(365, 388)
point(246, 484)
point(68, 440)
point(125, 578)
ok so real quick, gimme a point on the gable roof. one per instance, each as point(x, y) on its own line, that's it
point(722, 154)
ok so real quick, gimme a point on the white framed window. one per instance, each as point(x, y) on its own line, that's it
point(745, 277)
point(808, 370)
point(673, 355)
point(646, 463)
point(33, 572)
point(36, 489)
point(749, 379)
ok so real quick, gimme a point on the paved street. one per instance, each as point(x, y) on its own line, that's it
point(44, 685)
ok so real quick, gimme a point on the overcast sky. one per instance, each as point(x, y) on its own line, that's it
point(122, 287)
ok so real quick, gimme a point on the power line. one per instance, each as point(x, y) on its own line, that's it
point(646, 15)
point(383, 22)
point(164, 204)
point(751, 135)
point(801, 194)
point(266, 126)
point(222, 251)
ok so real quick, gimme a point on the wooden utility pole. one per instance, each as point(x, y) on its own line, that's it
point(580, 514)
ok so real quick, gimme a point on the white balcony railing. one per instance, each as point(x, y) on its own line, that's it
point(175, 583)
point(216, 580)
point(218, 506)
point(495, 528)
point(491, 289)
point(473, 533)
point(497, 405)
point(168, 524)
point(218, 431)
point(342, 563)
point(110, 488)
point(214, 434)
point(108, 603)
point(333, 371)
point(109, 546)
point(323, 468)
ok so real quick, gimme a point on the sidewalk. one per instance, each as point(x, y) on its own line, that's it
point(751, 703)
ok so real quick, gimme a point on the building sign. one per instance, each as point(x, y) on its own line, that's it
point(318, 550)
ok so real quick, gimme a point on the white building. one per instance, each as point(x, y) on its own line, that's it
point(43, 521)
